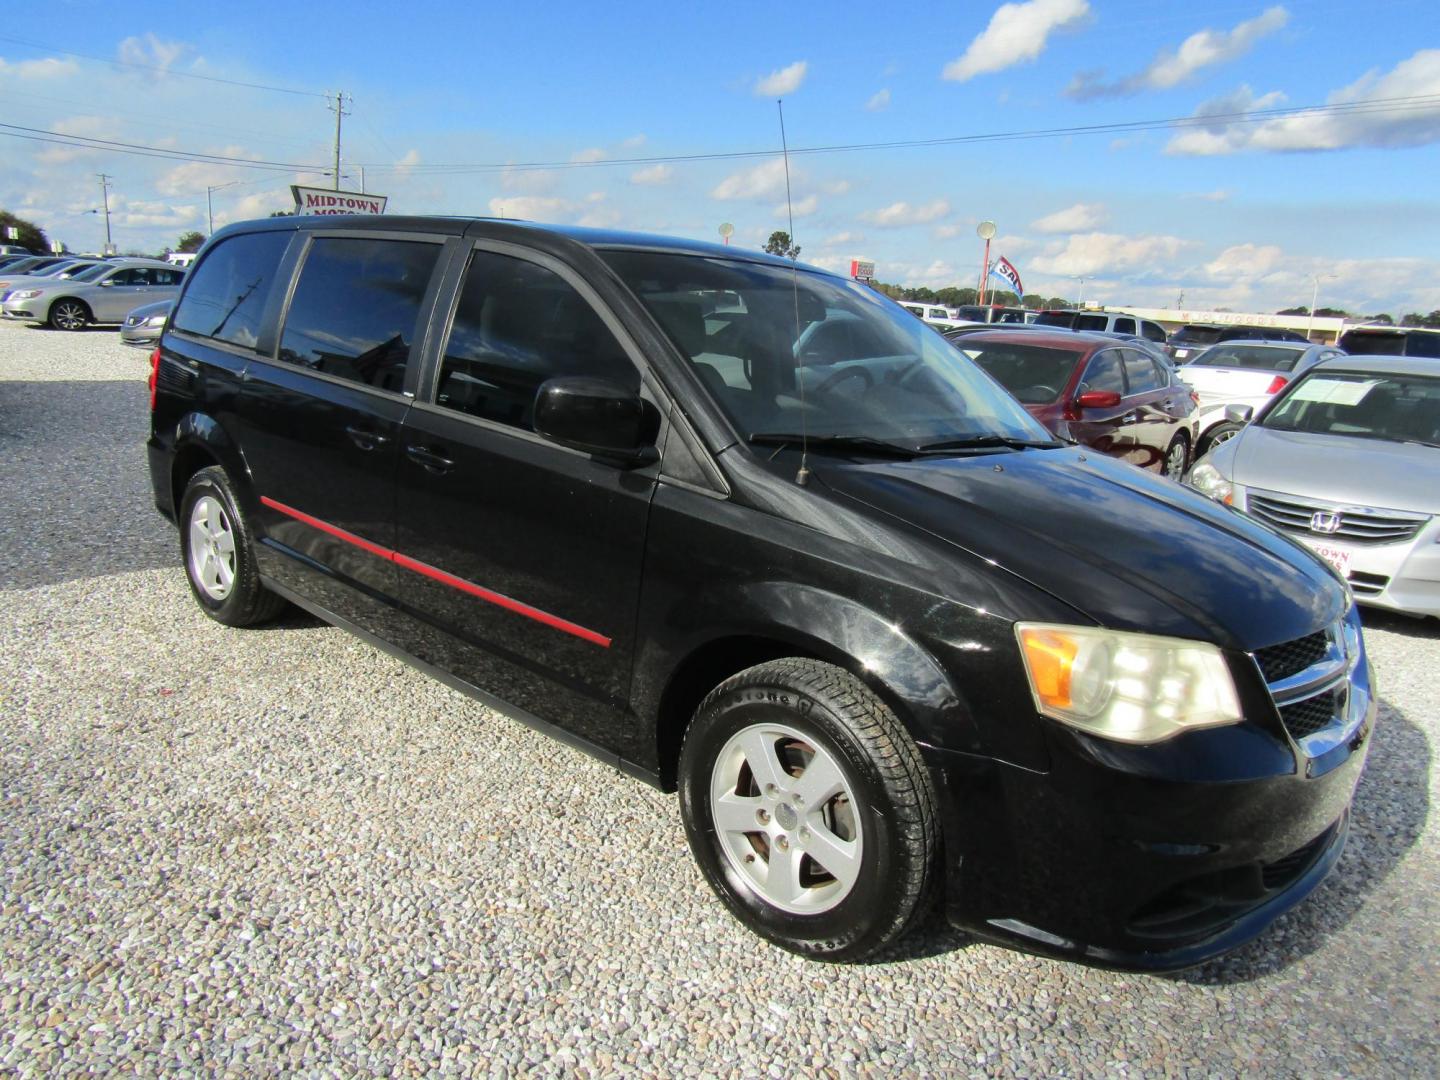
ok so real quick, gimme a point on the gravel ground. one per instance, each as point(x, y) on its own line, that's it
point(250, 852)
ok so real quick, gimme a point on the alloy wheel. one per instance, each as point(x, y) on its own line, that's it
point(212, 548)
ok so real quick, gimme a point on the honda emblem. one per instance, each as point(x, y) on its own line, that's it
point(1325, 521)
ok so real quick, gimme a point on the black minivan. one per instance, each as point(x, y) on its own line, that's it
point(750, 530)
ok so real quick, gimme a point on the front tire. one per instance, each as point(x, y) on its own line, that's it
point(69, 315)
point(809, 810)
point(1216, 435)
point(218, 548)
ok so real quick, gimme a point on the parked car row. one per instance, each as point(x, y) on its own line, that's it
point(752, 532)
point(99, 292)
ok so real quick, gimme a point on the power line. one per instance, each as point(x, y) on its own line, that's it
point(163, 71)
point(1254, 116)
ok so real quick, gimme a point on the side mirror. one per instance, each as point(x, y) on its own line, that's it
point(600, 417)
point(1098, 399)
point(108, 283)
point(1239, 414)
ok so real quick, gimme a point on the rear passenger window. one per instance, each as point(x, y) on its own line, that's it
point(355, 310)
point(1140, 372)
point(226, 297)
point(516, 325)
point(1124, 326)
point(1152, 331)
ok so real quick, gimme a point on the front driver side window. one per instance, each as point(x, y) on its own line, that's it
point(518, 324)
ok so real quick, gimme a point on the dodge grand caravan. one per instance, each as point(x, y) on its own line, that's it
point(891, 641)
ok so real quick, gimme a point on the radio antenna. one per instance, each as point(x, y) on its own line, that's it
point(803, 476)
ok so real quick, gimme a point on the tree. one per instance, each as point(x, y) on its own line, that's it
point(1003, 297)
point(1301, 310)
point(31, 235)
point(1331, 313)
point(779, 244)
point(1059, 303)
point(190, 241)
point(1382, 319)
point(1033, 300)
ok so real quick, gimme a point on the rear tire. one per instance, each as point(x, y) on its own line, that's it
point(809, 810)
point(1177, 459)
point(69, 315)
point(218, 549)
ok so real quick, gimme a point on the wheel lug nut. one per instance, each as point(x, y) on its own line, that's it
point(771, 790)
point(804, 834)
point(782, 842)
point(763, 816)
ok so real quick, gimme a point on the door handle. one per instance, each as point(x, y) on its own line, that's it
point(423, 455)
point(1130, 418)
point(366, 439)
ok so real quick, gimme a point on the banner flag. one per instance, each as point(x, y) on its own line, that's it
point(1005, 270)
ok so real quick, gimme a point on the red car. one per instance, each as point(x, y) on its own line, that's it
point(1110, 394)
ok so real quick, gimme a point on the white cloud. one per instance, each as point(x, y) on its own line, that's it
point(653, 176)
point(879, 100)
point(38, 69)
point(593, 153)
point(765, 181)
point(1077, 218)
point(1245, 260)
point(406, 165)
point(634, 142)
point(948, 232)
point(1414, 124)
point(1174, 66)
point(900, 214)
point(936, 274)
point(801, 208)
point(785, 81)
point(529, 181)
point(1218, 195)
point(151, 51)
point(846, 237)
point(1086, 254)
point(196, 176)
point(1017, 32)
point(139, 215)
point(533, 208)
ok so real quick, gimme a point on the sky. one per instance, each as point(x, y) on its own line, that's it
point(1238, 155)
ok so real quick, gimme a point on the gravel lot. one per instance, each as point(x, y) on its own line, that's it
point(249, 852)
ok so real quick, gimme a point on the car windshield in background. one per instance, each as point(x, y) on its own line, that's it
point(1195, 335)
point(1254, 357)
point(1035, 374)
point(785, 351)
point(1389, 343)
point(1055, 318)
point(1396, 408)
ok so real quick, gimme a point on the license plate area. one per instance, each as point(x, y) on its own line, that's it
point(1334, 554)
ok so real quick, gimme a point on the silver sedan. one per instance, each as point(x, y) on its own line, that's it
point(1346, 460)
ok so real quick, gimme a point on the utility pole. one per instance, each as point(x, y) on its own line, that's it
point(339, 108)
point(105, 195)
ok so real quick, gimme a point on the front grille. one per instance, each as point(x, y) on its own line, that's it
point(1357, 524)
point(1313, 714)
point(1281, 661)
point(1283, 871)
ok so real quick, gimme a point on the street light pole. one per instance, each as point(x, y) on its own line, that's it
point(209, 209)
point(986, 231)
point(1314, 296)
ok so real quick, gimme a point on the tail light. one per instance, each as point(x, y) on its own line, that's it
point(1277, 384)
point(154, 375)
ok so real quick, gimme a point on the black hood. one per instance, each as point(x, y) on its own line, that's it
point(1126, 548)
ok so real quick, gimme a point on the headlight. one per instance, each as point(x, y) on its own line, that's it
point(155, 320)
point(1208, 480)
point(1132, 688)
point(25, 294)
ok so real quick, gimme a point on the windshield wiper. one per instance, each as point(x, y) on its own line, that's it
point(991, 442)
point(860, 443)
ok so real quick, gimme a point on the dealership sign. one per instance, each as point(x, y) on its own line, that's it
point(862, 269)
point(309, 200)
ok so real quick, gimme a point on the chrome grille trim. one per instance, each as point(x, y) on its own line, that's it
point(1313, 703)
point(1358, 524)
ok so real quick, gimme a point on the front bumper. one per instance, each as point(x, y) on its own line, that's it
point(142, 336)
point(1149, 858)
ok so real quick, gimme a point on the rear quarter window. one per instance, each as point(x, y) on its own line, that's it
point(228, 290)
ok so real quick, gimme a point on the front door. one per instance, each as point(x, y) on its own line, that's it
point(519, 559)
point(321, 422)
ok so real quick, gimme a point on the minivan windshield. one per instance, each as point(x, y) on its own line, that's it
point(1255, 357)
point(1362, 405)
point(784, 352)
